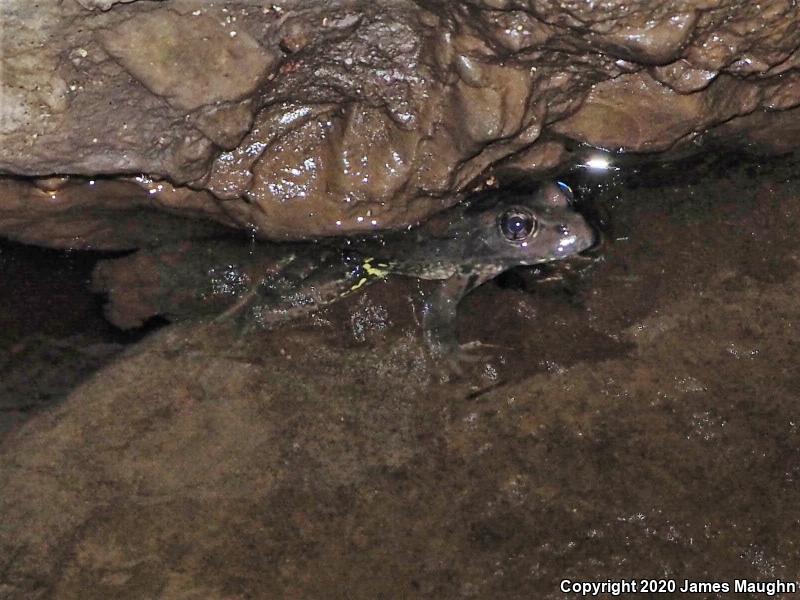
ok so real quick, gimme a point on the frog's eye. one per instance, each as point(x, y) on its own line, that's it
point(567, 191)
point(517, 224)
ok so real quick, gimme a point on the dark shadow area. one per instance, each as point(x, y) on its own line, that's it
point(52, 331)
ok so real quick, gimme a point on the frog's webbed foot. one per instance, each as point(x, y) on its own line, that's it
point(451, 357)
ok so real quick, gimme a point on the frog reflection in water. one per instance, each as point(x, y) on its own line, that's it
point(474, 245)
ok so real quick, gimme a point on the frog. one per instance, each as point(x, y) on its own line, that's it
point(263, 286)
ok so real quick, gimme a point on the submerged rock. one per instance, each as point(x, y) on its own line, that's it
point(638, 427)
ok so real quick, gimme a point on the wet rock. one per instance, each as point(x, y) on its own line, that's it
point(41, 370)
point(762, 131)
point(635, 112)
point(101, 4)
point(105, 214)
point(207, 463)
point(191, 61)
point(682, 77)
point(303, 120)
point(538, 158)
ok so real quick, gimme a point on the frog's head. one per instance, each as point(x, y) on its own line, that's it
point(536, 228)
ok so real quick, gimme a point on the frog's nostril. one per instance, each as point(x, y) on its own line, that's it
point(562, 229)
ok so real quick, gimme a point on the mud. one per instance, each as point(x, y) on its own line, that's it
point(636, 417)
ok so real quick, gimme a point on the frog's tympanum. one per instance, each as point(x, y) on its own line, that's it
point(269, 284)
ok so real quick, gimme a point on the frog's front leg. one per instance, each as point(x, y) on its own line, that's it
point(439, 312)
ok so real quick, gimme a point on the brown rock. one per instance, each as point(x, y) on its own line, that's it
point(88, 214)
point(191, 61)
point(380, 111)
point(636, 113)
point(208, 464)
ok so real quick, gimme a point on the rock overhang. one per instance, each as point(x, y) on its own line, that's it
point(303, 119)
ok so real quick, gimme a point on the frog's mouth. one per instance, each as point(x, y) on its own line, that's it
point(577, 239)
point(596, 245)
point(567, 246)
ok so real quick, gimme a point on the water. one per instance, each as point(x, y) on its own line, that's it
point(635, 416)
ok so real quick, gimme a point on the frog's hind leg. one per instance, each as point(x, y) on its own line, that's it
point(239, 307)
point(247, 298)
point(300, 292)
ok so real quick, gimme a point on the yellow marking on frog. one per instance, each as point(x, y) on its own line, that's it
point(361, 282)
point(378, 270)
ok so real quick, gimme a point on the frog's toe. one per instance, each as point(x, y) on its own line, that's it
point(477, 345)
point(449, 369)
point(475, 352)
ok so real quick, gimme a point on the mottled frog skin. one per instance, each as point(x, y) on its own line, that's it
point(268, 285)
